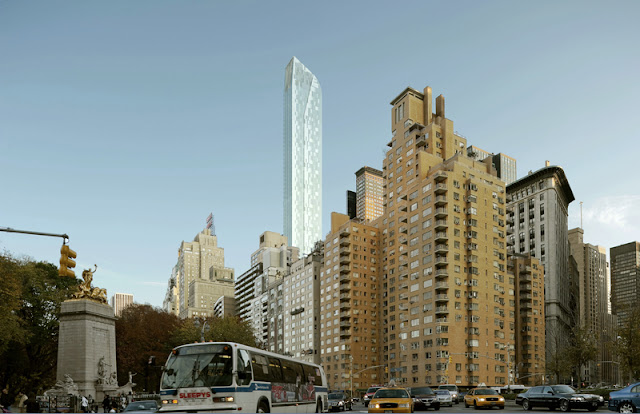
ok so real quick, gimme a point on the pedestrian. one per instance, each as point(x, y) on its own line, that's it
point(84, 404)
point(20, 400)
point(92, 409)
point(5, 401)
point(106, 404)
point(32, 405)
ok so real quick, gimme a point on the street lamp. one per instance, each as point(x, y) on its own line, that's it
point(205, 327)
point(508, 368)
point(351, 377)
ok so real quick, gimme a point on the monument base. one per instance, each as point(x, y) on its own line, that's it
point(87, 346)
point(102, 390)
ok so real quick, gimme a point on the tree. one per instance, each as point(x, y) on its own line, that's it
point(143, 332)
point(628, 345)
point(32, 293)
point(557, 352)
point(583, 348)
point(10, 293)
point(227, 329)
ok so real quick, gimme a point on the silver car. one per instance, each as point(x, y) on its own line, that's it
point(444, 396)
point(453, 389)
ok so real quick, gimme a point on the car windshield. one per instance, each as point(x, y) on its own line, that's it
point(421, 391)
point(388, 393)
point(563, 389)
point(486, 391)
point(372, 389)
point(336, 396)
point(141, 406)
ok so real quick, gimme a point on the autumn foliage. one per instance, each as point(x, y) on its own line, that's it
point(146, 335)
point(30, 297)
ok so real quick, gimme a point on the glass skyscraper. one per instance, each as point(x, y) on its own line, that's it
point(302, 157)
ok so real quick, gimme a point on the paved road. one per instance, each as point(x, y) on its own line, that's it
point(510, 407)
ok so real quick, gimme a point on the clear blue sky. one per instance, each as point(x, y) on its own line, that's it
point(125, 123)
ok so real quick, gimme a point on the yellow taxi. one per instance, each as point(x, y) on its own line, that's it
point(484, 397)
point(391, 400)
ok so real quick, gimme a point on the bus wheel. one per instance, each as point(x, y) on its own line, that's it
point(262, 407)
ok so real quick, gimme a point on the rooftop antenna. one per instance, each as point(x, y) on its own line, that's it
point(581, 216)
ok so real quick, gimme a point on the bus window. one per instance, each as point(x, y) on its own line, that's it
point(312, 375)
point(244, 367)
point(216, 371)
point(260, 365)
point(275, 370)
point(291, 371)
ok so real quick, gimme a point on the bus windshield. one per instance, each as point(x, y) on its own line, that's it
point(201, 366)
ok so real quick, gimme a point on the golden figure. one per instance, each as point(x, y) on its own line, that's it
point(86, 291)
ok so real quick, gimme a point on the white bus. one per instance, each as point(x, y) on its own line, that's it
point(217, 376)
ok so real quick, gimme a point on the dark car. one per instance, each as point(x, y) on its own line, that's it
point(423, 398)
point(146, 406)
point(369, 395)
point(626, 400)
point(338, 401)
point(558, 396)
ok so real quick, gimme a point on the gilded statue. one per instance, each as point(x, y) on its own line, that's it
point(86, 291)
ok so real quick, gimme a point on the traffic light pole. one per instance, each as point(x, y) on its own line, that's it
point(37, 233)
point(67, 255)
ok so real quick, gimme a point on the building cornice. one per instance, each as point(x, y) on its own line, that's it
point(407, 90)
point(546, 172)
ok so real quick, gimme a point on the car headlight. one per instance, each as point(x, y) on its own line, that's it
point(601, 398)
point(405, 405)
point(376, 406)
point(340, 403)
point(577, 398)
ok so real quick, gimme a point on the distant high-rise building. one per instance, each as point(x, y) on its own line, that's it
point(369, 194)
point(594, 315)
point(301, 307)
point(200, 276)
point(593, 270)
point(538, 216)
point(171, 302)
point(302, 157)
point(625, 279)
point(119, 301)
point(269, 264)
point(505, 165)
point(224, 306)
point(352, 210)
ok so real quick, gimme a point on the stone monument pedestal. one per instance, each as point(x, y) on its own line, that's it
point(87, 347)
